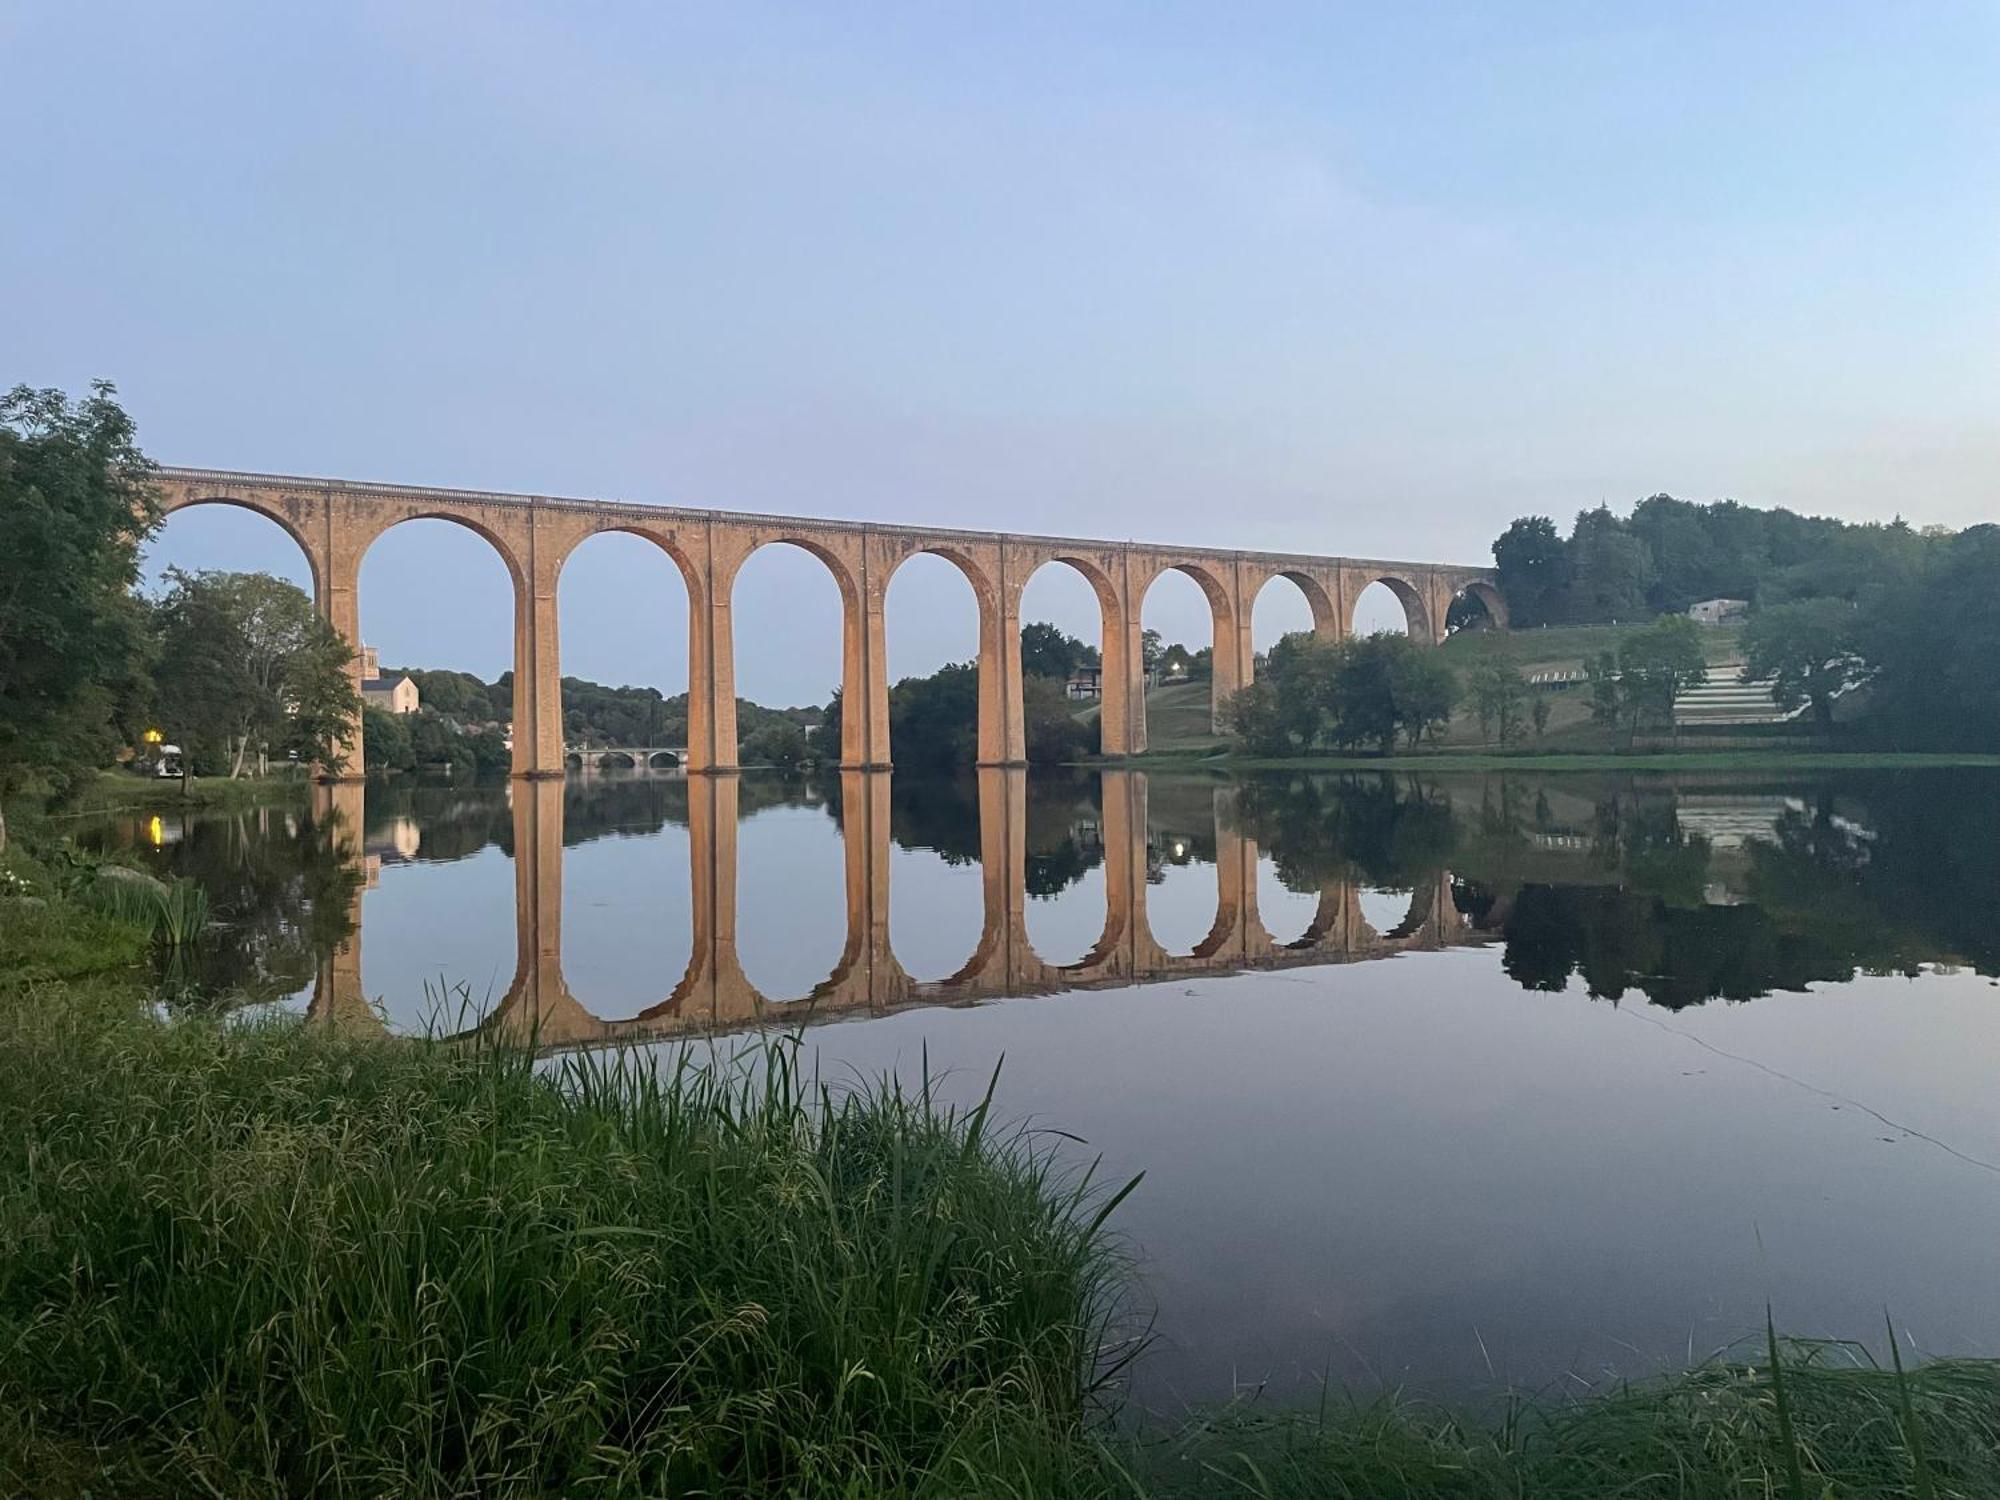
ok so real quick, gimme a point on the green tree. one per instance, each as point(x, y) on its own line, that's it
point(76, 502)
point(1656, 665)
point(1499, 698)
point(1806, 649)
point(246, 666)
point(1651, 668)
point(1362, 696)
point(1686, 563)
point(1053, 733)
point(1305, 667)
point(933, 721)
point(780, 743)
point(1533, 568)
point(1256, 716)
point(1934, 642)
point(1610, 570)
point(826, 738)
point(1425, 689)
point(387, 737)
point(1606, 704)
point(1048, 652)
point(1150, 650)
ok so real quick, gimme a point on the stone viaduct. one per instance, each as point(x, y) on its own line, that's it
point(335, 521)
point(714, 994)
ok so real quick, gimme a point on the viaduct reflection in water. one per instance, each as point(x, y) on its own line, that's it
point(714, 993)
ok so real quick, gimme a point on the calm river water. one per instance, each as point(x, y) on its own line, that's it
point(1445, 1082)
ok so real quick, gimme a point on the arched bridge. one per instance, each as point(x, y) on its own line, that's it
point(335, 521)
point(624, 757)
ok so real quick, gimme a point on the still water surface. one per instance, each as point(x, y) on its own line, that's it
point(1442, 1082)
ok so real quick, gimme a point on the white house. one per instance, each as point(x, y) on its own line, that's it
point(1718, 611)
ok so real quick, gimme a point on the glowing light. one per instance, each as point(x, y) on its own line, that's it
point(153, 737)
point(156, 832)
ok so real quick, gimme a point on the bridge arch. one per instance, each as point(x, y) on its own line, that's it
point(985, 588)
point(504, 547)
point(1387, 919)
point(1321, 616)
point(760, 575)
point(1405, 592)
point(667, 542)
point(663, 760)
point(1049, 595)
point(625, 603)
point(292, 526)
point(940, 613)
point(1289, 913)
point(1478, 605)
point(1288, 603)
point(1225, 669)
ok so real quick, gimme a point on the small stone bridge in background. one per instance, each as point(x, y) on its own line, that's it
point(625, 757)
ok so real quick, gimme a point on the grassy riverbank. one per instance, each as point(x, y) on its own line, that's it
point(267, 1259)
point(114, 790)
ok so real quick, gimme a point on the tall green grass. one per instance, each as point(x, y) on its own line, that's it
point(1821, 1421)
point(264, 1260)
point(172, 913)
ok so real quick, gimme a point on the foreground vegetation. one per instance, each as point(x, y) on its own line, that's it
point(268, 1259)
point(264, 1259)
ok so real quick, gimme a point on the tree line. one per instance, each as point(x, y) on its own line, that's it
point(1669, 554)
point(1911, 617)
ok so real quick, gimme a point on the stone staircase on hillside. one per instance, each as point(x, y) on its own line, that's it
point(1723, 698)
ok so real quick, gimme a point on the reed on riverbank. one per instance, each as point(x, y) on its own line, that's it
point(260, 1259)
point(266, 1259)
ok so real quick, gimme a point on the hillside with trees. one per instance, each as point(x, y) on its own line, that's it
point(1909, 617)
point(1669, 554)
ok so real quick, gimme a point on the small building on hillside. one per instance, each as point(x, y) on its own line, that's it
point(1085, 682)
point(395, 694)
point(1718, 611)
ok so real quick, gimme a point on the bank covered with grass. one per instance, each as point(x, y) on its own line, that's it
point(267, 1259)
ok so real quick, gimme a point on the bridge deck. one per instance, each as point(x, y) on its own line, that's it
point(646, 510)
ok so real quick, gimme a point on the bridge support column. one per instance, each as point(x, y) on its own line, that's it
point(712, 664)
point(1002, 714)
point(1232, 663)
point(1123, 683)
point(336, 569)
point(1438, 595)
point(864, 668)
point(538, 738)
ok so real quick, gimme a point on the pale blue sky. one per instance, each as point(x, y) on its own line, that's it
point(1360, 278)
